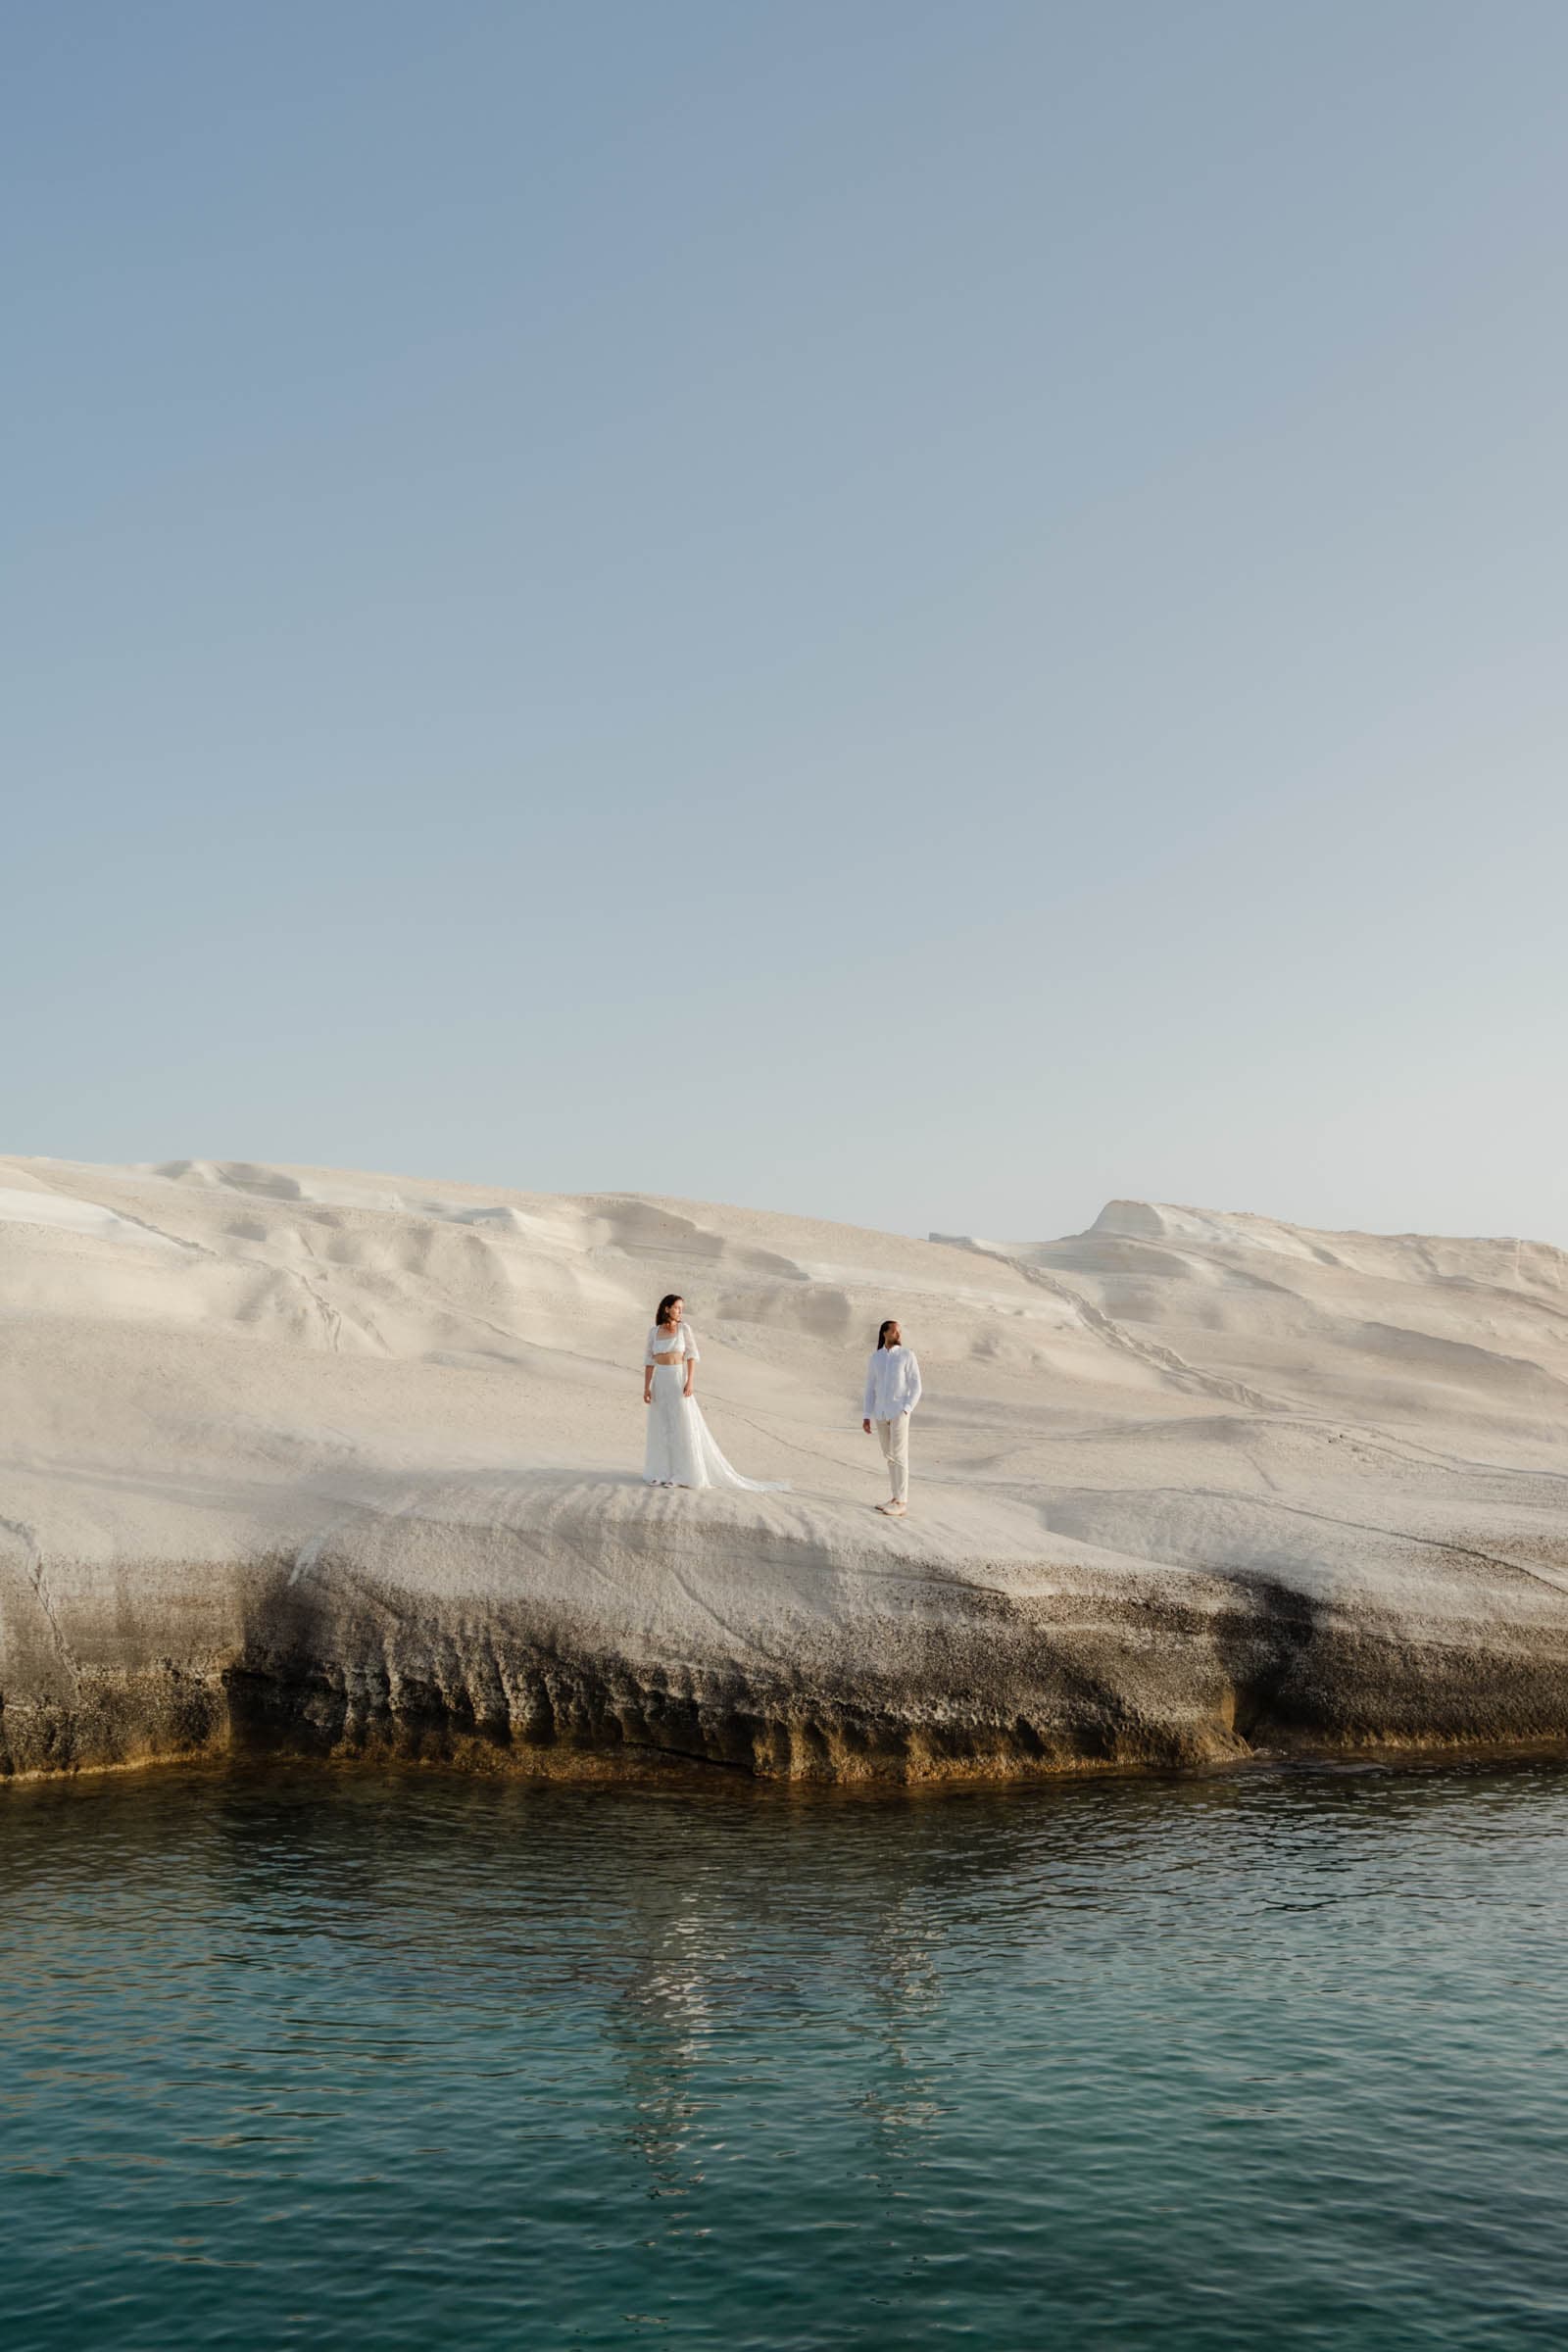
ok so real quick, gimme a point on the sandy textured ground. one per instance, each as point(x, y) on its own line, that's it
point(314, 1458)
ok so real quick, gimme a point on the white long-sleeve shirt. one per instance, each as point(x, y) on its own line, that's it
point(892, 1384)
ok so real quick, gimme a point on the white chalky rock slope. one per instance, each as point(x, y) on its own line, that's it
point(295, 1460)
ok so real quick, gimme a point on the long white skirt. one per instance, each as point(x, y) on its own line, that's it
point(680, 1443)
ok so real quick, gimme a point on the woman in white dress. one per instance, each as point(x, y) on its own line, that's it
point(681, 1451)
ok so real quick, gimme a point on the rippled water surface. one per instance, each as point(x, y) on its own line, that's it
point(353, 2060)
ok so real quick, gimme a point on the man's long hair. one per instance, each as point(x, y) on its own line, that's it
point(892, 1324)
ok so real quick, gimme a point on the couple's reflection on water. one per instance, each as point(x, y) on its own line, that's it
point(704, 1939)
point(692, 1931)
point(722, 1962)
point(541, 2063)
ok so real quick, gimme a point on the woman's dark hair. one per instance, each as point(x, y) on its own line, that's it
point(892, 1324)
point(669, 1300)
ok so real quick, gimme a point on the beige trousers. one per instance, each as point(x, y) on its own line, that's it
point(894, 1439)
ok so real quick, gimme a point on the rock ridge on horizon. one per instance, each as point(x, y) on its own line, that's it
point(315, 1461)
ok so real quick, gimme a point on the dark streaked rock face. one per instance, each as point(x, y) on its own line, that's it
point(413, 1641)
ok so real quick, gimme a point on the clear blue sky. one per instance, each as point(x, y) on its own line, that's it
point(922, 612)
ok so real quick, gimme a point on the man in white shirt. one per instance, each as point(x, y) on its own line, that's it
point(892, 1393)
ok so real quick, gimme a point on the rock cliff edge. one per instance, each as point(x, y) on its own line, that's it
point(304, 1461)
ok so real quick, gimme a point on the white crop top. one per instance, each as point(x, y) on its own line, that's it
point(682, 1340)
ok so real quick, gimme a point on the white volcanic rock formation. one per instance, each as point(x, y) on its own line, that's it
point(350, 1463)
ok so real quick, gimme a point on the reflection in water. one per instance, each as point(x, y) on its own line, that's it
point(388, 2059)
point(658, 2024)
point(902, 2102)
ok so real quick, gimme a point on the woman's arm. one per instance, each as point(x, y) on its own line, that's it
point(692, 1352)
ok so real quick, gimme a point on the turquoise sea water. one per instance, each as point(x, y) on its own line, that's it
point(352, 2059)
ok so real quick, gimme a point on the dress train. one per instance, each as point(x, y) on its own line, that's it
point(682, 1449)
